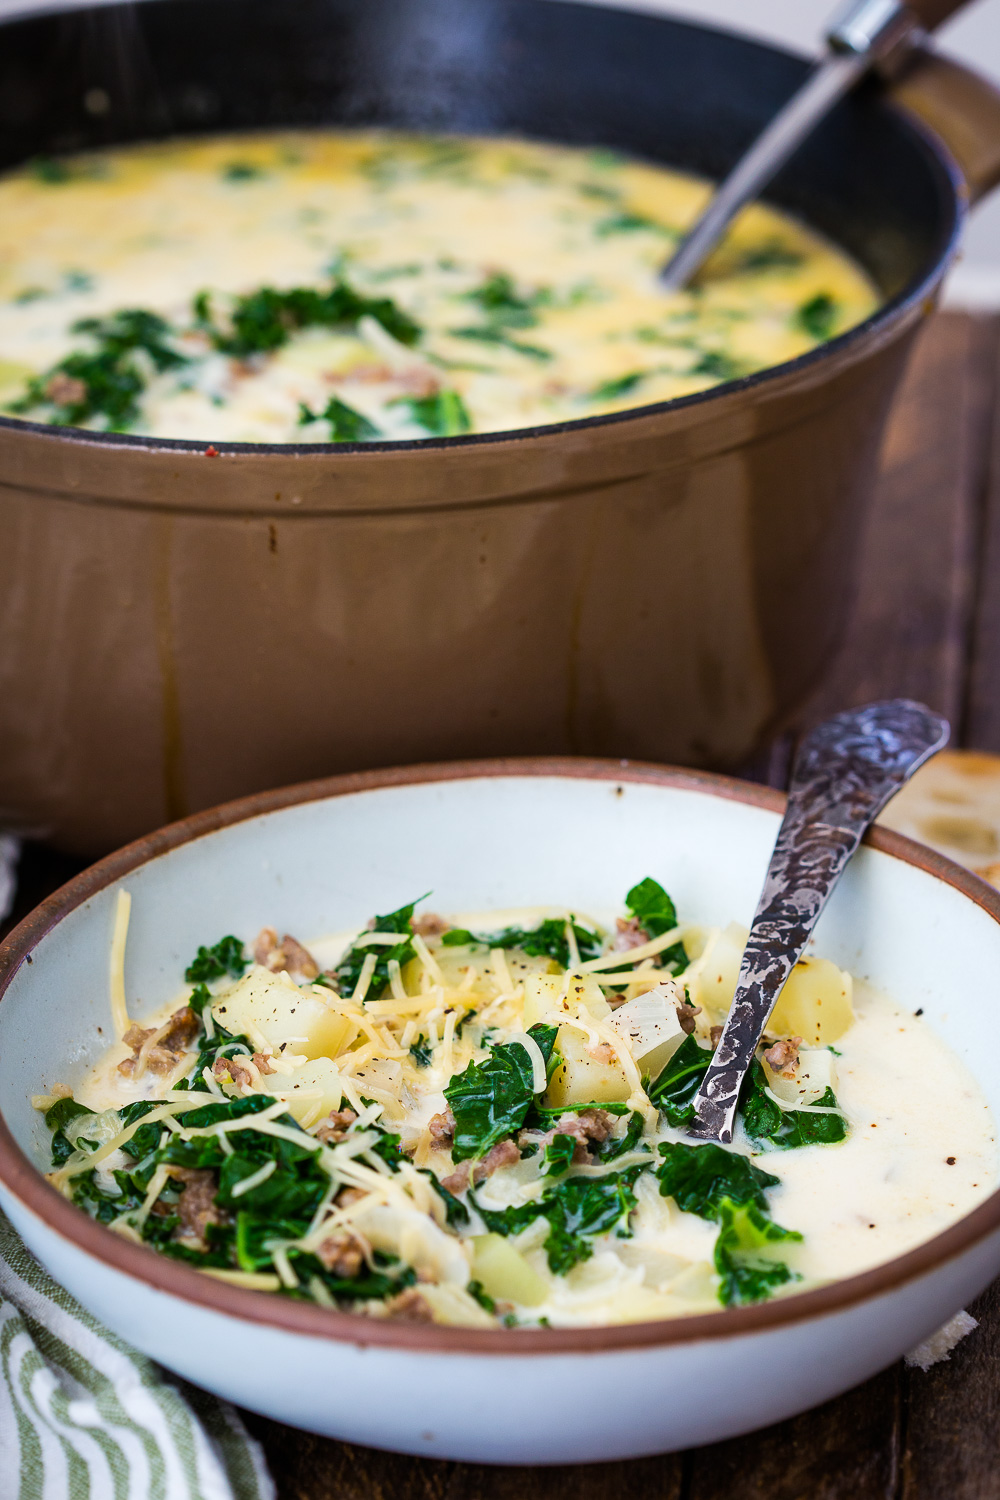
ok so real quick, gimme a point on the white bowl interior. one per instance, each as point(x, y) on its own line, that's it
point(484, 842)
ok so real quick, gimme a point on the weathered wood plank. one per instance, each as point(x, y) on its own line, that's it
point(910, 630)
point(951, 1445)
point(845, 1450)
point(311, 1468)
point(982, 720)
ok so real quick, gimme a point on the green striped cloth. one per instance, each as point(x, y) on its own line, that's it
point(84, 1417)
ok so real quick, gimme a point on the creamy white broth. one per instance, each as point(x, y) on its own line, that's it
point(919, 1153)
point(526, 273)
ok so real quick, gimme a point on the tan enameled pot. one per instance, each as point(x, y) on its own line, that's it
point(180, 626)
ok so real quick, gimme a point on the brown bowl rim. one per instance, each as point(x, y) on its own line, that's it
point(28, 1186)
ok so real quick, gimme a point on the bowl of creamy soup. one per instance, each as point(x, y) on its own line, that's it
point(335, 376)
point(327, 1083)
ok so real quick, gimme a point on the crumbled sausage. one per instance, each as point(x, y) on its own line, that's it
point(343, 1253)
point(262, 1062)
point(175, 1037)
point(602, 1052)
point(233, 1069)
point(409, 1306)
point(716, 1036)
point(349, 1196)
point(196, 1205)
point(288, 956)
point(335, 1127)
point(686, 1013)
point(588, 1127)
point(503, 1154)
point(65, 390)
point(430, 925)
point(784, 1055)
point(442, 1129)
point(629, 935)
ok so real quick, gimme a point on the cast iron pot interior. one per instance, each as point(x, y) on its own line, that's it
point(684, 95)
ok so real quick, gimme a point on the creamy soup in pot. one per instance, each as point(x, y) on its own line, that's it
point(328, 286)
point(482, 1120)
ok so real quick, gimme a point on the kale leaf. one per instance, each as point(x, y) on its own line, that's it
point(346, 424)
point(577, 1209)
point(421, 1052)
point(264, 320)
point(784, 1129)
point(105, 382)
point(558, 1155)
point(699, 1177)
point(656, 914)
point(348, 971)
point(227, 956)
point(57, 1117)
point(547, 940)
point(491, 1099)
point(442, 415)
point(675, 1087)
point(747, 1267)
point(817, 316)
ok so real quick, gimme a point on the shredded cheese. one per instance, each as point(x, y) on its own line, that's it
point(119, 1007)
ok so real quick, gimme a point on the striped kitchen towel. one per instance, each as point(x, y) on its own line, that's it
point(84, 1417)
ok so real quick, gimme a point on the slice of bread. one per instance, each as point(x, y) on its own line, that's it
point(953, 804)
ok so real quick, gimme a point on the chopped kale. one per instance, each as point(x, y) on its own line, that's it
point(455, 1210)
point(818, 316)
point(504, 340)
point(627, 223)
point(767, 257)
point(616, 1146)
point(490, 1100)
point(241, 171)
point(107, 382)
point(720, 366)
point(547, 940)
point(346, 424)
point(622, 385)
point(558, 1155)
point(421, 1052)
point(57, 1117)
point(673, 1091)
point(476, 1290)
point(264, 320)
point(227, 956)
point(500, 300)
point(348, 971)
point(656, 914)
point(784, 1129)
point(442, 415)
point(699, 1177)
point(577, 1209)
point(51, 169)
point(746, 1264)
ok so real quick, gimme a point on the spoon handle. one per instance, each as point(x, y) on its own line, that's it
point(846, 771)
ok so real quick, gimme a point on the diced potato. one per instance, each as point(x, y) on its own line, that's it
point(274, 1006)
point(580, 1078)
point(815, 1073)
point(714, 986)
point(314, 1089)
point(543, 993)
point(815, 1003)
point(651, 1027)
point(505, 1273)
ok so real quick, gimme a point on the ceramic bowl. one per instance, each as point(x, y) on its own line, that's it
point(320, 857)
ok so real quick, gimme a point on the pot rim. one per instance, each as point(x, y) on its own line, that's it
point(846, 343)
point(25, 1182)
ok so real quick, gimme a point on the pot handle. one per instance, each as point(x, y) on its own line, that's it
point(961, 107)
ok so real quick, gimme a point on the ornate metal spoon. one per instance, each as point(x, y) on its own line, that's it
point(870, 34)
point(845, 772)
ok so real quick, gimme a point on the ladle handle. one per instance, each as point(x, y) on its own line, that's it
point(846, 771)
point(933, 13)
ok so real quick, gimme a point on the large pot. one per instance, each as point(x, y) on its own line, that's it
point(179, 627)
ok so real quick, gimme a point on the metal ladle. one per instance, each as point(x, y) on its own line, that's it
point(872, 33)
point(846, 771)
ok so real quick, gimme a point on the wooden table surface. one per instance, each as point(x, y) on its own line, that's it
point(926, 625)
